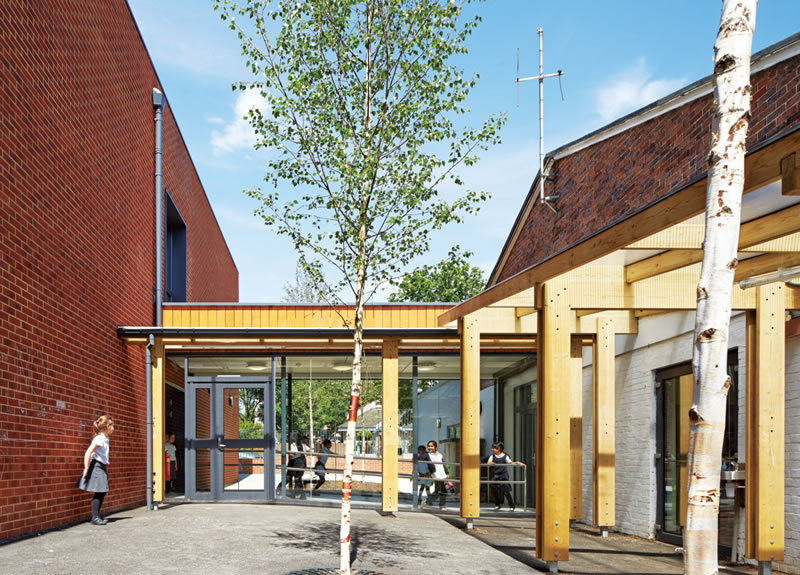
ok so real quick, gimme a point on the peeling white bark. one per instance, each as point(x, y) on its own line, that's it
point(731, 117)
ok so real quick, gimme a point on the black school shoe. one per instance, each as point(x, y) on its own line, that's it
point(98, 521)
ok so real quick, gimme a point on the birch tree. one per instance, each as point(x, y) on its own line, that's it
point(723, 207)
point(363, 97)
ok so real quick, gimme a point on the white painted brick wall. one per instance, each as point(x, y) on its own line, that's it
point(639, 357)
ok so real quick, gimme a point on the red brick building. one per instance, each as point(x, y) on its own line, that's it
point(77, 250)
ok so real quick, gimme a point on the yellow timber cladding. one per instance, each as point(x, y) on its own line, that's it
point(302, 316)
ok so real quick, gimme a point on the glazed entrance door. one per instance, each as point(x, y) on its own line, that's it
point(230, 446)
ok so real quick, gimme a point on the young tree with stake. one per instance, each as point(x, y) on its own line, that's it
point(723, 206)
point(362, 99)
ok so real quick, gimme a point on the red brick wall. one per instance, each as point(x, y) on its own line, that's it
point(610, 180)
point(77, 250)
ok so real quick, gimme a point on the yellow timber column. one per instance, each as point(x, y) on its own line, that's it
point(469, 330)
point(553, 423)
point(159, 414)
point(765, 405)
point(603, 427)
point(389, 432)
point(576, 430)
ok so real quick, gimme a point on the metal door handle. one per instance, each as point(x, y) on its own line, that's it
point(220, 445)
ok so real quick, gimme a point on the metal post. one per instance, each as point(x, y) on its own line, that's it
point(541, 116)
point(765, 568)
point(284, 482)
point(414, 430)
point(552, 566)
point(604, 531)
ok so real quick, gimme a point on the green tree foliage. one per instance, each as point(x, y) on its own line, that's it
point(306, 288)
point(331, 400)
point(451, 280)
point(362, 101)
point(362, 95)
point(251, 404)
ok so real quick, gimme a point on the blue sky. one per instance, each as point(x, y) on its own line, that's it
point(617, 56)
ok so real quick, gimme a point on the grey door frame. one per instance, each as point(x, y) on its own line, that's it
point(217, 444)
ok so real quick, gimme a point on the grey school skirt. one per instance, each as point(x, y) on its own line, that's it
point(96, 478)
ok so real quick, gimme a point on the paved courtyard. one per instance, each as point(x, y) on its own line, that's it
point(225, 539)
point(277, 539)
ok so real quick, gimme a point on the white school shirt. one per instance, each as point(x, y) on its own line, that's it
point(101, 453)
point(171, 450)
point(438, 468)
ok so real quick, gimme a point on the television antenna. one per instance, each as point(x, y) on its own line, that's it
point(542, 176)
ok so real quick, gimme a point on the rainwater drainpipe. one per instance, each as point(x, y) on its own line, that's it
point(149, 433)
point(158, 104)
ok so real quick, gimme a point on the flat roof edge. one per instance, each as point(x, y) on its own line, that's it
point(145, 331)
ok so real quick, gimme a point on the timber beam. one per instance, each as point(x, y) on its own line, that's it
point(765, 264)
point(790, 176)
point(759, 232)
point(604, 287)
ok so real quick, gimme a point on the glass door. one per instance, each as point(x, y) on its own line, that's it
point(230, 444)
point(674, 388)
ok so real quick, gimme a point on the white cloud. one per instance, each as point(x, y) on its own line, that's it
point(632, 89)
point(215, 120)
point(238, 134)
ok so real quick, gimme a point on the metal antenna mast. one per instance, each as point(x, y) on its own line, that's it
point(540, 78)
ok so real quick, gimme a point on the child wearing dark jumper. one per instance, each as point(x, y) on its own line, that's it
point(498, 466)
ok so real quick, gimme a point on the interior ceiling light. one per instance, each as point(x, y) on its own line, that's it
point(256, 365)
point(342, 366)
point(426, 366)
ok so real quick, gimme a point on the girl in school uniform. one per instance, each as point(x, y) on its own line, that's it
point(95, 462)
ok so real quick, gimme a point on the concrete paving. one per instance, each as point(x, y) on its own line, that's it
point(278, 539)
point(590, 554)
point(248, 539)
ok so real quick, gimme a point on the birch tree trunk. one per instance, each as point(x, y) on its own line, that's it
point(723, 206)
point(358, 341)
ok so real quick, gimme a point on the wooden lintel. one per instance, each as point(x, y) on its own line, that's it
point(639, 313)
point(662, 263)
point(593, 287)
point(790, 176)
point(523, 311)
